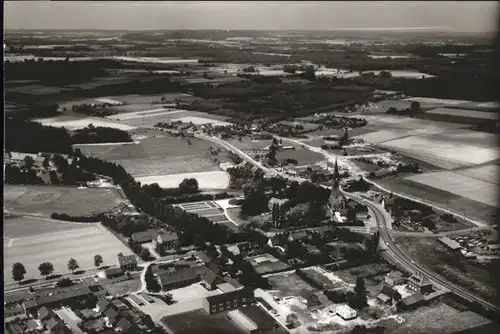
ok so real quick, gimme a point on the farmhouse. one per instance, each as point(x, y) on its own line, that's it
point(127, 263)
point(419, 283)
point(228, 301)
point(145, 236)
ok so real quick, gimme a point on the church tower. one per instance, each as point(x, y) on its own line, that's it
point(337, 200)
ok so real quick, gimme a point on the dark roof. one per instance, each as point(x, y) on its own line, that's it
point(53, 322)
point(450, 243)
point(103, 304)
point(127, 259)
point(111, 313)
point(248, 293)
point(413, 299)
point(306, 294)
point(124, 325)
point(210, 277)
point(388, 291)
point(57, 295)
point(151, 233)
point(203, 257)
point(113, 271)
point(184, 274)
point(234, 282)
point(168, 236)
point(119, 304)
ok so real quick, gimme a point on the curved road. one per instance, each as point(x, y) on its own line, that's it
point(392, 251)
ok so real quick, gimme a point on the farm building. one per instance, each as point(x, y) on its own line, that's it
point(243, 321)
point(56, 297)
point(394, 278)
point(203, 257)
point(346, 312)
point(127, 262)
point(180, 278)
point(226, 287)
point(228, 301)
point(145, 236)
point(169, 240)
point(419, 283)
point(411, 302)
point(387, 295)
point(113, 272)
point(451, 244)
point(209, 280)
point(309, 298)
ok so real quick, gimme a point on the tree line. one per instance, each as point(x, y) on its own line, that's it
point(47, 268)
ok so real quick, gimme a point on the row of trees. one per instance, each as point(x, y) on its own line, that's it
point(47, 268)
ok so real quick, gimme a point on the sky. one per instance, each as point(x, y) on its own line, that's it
point(453, 16)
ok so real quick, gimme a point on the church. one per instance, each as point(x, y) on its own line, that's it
point(337, 203)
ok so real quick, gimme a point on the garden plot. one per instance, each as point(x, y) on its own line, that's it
point(206, 180)
point(487, 173)
point(461, 185)
point(71, 123)
point(44, 200)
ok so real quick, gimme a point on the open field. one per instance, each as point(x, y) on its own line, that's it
point(198, 321)
point(392, 122)
point(206, 180)
point(339, 132)
point(477, 278)
point(438, 319)
point(73, 123)
point(477, 190)
point(448, 150)
point(57, 244)
point(147, 158)
point(487, 173)
point(455, 203)
point(303, 156)
point(465, 113)
point(148, 99)
point(433, 100)
point(44, 200)
point(248, 144)
point(152, 115)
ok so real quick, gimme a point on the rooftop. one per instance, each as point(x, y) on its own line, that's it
point(184, 274)
point(248, 293)
point(127, 259)
point(452, 244)
point(413, 299)
point(57, 295)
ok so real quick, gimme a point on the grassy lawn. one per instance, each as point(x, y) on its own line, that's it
point(289, 284)
point(366, 166)
point(477, 278)
point(234, 214)
point(199, 322)
point(303, 156)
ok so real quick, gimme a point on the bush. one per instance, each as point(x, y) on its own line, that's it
point(64, 283)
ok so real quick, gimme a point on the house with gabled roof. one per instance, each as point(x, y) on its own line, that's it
point(112, 315)
point(411, 302)
point(44, 313)
point(127, 262)
point(209, 280)
point(124, 325)
point(419, 283)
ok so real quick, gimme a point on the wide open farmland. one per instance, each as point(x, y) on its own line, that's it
point(32, 241)
point(487, 173)
point(448, 150)
point(158, 155)
point(74, 123)
point(477, 190)
point(44, 200)
point(147, 117)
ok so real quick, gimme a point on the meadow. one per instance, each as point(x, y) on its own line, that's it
point(45, 200)
point(74, 122)
point(206, 180)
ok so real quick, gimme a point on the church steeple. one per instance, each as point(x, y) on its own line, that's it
point(336, 175)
